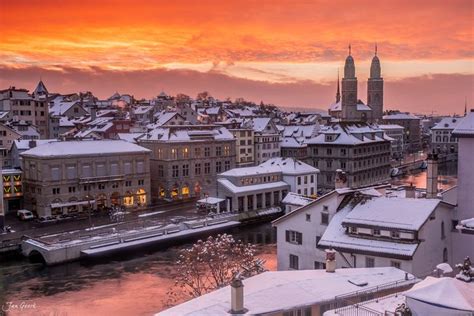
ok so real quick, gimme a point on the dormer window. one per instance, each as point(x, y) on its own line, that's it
point(353, 230)
point(395, 234)
point(376, 232)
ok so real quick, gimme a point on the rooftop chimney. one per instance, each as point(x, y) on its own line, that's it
point(410, 191)
point(341, 179)
point(32, 144)
point(93, 113)
point(432, 176)
point(237, 296)
point(330, 260)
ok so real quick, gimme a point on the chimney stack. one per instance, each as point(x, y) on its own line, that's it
point(32, 143)
point(330, 260)
point(93, 113)
point(341, 179)
point(410, 191)
point(237, 296)
point(432, 176)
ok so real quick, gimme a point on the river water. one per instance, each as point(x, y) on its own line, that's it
point(129, 285)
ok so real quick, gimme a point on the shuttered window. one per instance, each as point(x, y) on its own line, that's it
point(294, 237)
point(86, 171)
point(71, 172)
point(140, 167)
point(55, 173)
point(127, 167)
point(101, 170)
point(114, 169)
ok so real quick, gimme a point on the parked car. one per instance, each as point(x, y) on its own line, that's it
point(25, 215)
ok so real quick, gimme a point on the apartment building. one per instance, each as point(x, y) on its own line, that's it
point(442, 140)
point(412, 133)
point(266, 139)
point(74, 176)
point(396, 132)
point(185, 159)
point(27, 108)
point(362, 151)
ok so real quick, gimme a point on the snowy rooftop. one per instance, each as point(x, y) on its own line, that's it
point(390, 127)
point(335, 236)
point(253, 187)
point(466, 126)
point(400, 116)
point(250, 171)
point(276, 291)
point(85, 147)
point(130, 137)
point(447, 123)
point(444, 292)
point(290, 142)
point(296, 199)
point(60, 107)
point(401, 213)
point(24, 144)
point(290, 166)
point(187, 133)
point(349, 134)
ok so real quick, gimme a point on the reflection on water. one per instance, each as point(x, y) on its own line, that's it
point(447, 177)
point(128, 286)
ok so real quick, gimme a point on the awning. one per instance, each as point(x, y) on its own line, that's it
point(74, 203)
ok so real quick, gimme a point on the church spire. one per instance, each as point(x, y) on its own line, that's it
point(338, 94)
point(465, 106)
point(375, 49)
point(349, 49)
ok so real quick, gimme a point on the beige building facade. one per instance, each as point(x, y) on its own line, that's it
point(75, 176)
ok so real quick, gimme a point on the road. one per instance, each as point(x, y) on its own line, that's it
point(164, 213)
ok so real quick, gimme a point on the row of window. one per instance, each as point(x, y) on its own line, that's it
point(305, 178)
point(369, 262)
point(269, 146)
point(344, 151)
point(88, 188)
point(198, 170)
point(185, 152)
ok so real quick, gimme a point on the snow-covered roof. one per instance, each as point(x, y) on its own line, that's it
point(336, 107)
point(251, 171)
point(65, 122)
point(400, 116)
point(290, 142)
point(335, 236)
point(260, 123)
point(182, 133)
point(296, 199)
point(273, 292)
point(253, 187)
point(290, 166)
point(301, 131)
point(444, 292)
point(349, 134)
point(165, 117)
point(390, 127)
point(466, 126)
point(130, 137)
point(24, 144)
point(401, 213)
point(83, 148)
point(59, 108)
point(142, 109)
point(447, 123)
point(362, 107)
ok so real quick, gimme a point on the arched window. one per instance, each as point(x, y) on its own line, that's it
point(443, 235)
point(445, 255)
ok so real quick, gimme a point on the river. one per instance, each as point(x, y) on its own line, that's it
point(129, 285)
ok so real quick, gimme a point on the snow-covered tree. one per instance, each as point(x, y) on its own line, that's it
point(212, 264)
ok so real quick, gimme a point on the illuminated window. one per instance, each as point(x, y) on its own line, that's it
point(128, 199)
point(185, 191)
point(141, 196)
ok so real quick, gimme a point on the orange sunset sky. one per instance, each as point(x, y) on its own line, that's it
point(282, 52)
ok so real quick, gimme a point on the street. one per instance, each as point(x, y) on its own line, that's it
point(162, 213)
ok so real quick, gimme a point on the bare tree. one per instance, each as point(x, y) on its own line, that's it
point(211, 264)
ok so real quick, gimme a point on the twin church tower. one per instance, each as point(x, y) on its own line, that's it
point(349, 107)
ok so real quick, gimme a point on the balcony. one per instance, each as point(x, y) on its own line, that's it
point(101, 179)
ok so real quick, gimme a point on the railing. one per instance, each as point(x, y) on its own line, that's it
point(352, 299)
point(357, 310)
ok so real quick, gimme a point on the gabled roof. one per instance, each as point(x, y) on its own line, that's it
point(466, 127)
point(40, 89)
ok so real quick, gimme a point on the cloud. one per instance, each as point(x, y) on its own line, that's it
point(443, 93)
